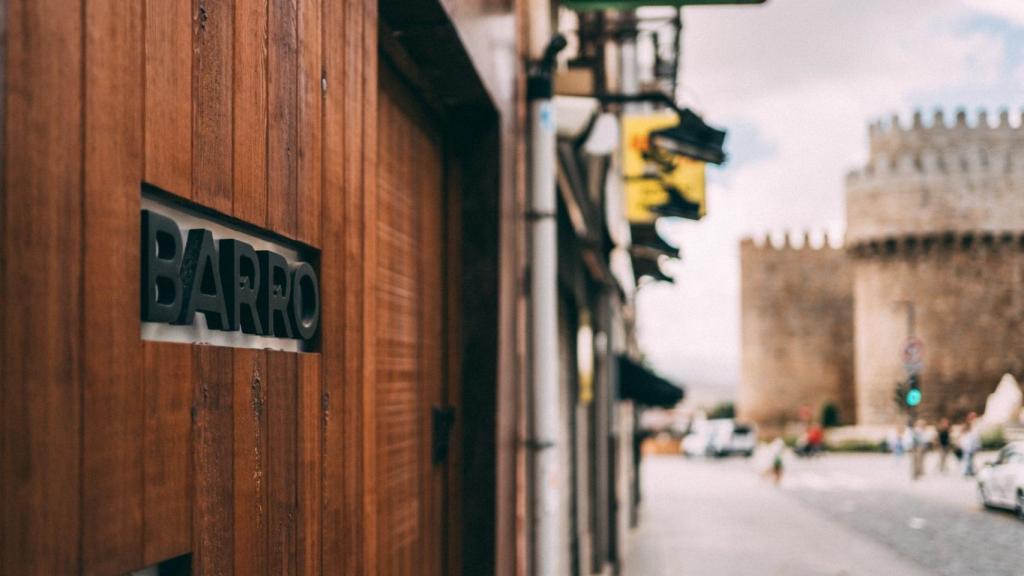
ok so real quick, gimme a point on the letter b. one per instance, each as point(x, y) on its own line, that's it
point(161, 260)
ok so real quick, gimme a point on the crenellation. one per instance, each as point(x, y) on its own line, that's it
point(784, 241)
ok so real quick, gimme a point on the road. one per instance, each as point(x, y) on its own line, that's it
point(840, 514)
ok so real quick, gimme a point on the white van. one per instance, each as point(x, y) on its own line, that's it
point(720, 437)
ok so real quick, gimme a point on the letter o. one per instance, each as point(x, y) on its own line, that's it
point(305, 305)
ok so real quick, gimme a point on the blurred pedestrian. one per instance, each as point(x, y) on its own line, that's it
point(942, 436)
point(919, 447)
point(970, 443)
point(894, 443)
point(815, 439)
point(776, 450)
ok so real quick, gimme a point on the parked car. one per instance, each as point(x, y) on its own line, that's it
point(720, 437)
point(1001, 483)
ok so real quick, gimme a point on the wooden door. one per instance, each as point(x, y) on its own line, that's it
point(409, 331)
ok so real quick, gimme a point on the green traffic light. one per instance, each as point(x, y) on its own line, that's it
point(913, 397)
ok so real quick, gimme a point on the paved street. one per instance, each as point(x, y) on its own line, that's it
point(835, 515)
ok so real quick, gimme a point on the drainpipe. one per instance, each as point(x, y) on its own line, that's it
point(548, 482)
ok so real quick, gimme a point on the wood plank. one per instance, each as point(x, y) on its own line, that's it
point(365, 155)
point(346, 504)
point(112, 447)
point(282, 99)
point(250, 461)
point(213, 482)
point(249, 95)
point(168, 115)
point(309, 464)
point(429, 187)
point(41, 419)
point(282, 485)
point(212, 43)
point(310, 102)
point(167, 508)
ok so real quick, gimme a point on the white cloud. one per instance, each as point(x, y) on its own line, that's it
point(1010, 10)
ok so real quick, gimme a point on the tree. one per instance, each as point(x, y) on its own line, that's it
point(722, 410)
point(829, 415)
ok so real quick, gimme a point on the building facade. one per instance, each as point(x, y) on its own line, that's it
point(933, 254)
point(266, 286)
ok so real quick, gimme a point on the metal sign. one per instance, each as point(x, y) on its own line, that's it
point(912, 353)
point(205, 281)
point(651, 178)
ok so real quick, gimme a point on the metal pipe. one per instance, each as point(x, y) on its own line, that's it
point(550, 543)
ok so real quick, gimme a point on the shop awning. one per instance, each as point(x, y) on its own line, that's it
point(646, 238)
point(645, 387)
point(649, 267)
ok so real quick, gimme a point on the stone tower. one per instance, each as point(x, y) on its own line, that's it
point(797, 331)
point(935, 229)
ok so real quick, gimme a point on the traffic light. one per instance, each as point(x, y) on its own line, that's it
point(913, 395)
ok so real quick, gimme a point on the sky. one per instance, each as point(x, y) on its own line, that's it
point(795, 83)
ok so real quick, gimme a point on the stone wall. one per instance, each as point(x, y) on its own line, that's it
point(968, 307)
point(797, 333)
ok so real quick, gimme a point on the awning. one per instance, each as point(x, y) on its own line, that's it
point(645, 387)
point(646, 238)
point(649, 267)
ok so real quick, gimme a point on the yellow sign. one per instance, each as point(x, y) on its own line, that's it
point(649, 173)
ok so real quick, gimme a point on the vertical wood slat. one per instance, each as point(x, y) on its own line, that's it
point(41, 232)
point(282, 101)
point(366, 52)
point(310, 100)
point(213, 481)
point(429, 186)
point(168, 95)
point(309, 465)
point(348, 502)
point(249, 93)
point(282, 494)
point(167, 504)
point(112, 472)
point(212, 43)
point(250, 462)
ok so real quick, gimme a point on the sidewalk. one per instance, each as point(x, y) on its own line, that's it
point(720, 518)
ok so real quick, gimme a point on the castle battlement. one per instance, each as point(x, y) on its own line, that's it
point(895, 137)
point(941, 242)
point(788, 240)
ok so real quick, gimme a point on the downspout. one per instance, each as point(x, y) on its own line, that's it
point(548, 482)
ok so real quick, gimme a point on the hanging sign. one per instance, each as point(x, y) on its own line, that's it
point(651, 176)
point(208, 282)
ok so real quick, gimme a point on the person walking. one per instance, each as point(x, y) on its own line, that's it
point(776, 451)
point(970, 443)
point(919, 447)
point(942, 436)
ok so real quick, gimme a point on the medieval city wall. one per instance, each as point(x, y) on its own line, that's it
point(797, 332)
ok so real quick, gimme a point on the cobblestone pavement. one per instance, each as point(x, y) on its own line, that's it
point(834, 515)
